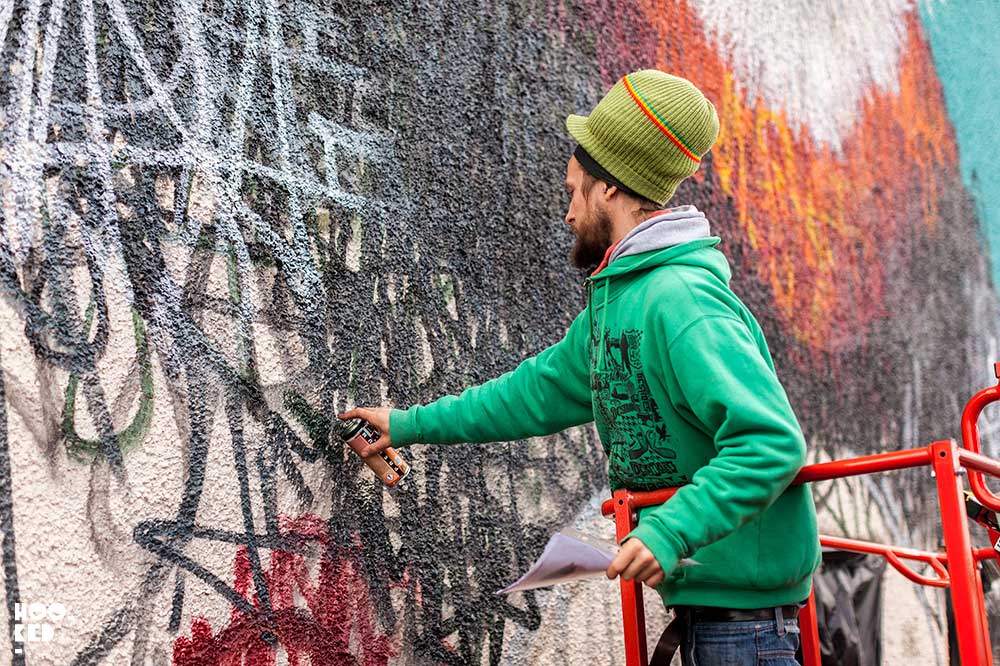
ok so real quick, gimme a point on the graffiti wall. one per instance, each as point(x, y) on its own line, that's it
point(223, 222)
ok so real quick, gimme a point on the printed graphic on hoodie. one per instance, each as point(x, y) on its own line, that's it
point(634, 434)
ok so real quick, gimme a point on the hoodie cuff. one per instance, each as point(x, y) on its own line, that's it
point(403, 428)
point(662, 546)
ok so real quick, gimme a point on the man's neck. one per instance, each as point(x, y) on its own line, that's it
point(626, 222)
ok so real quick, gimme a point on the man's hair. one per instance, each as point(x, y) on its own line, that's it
point(588, 183)
point(645, 205)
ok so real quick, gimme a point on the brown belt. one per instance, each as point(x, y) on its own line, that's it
point(675, 631)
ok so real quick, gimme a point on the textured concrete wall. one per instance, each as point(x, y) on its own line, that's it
point(223, 222)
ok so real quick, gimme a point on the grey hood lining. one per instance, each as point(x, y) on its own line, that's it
point(673, 226)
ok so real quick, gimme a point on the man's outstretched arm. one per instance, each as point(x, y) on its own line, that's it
point(544, 394)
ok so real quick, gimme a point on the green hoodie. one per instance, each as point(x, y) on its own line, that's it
point(676, 374)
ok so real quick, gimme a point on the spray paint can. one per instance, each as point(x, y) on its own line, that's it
point(387, 464)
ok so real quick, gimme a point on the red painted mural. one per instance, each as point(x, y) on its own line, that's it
point(322, 620)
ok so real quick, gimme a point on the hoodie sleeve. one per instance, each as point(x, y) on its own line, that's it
point(725, 381)
point(544, 394)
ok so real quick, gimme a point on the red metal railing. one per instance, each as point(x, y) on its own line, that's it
point(970, 440)
point(956, 568)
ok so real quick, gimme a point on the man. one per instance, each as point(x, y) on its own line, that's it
point(676, 374)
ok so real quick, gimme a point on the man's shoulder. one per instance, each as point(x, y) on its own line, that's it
point(681, 284)
point(677, 296)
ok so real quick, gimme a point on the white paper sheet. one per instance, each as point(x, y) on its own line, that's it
point(570, 555)
point(565, 558)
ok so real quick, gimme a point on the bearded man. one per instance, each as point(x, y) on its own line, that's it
point(675, 372)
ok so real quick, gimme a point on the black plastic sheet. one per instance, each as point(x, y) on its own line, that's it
point(848, 589)
point(991, 595)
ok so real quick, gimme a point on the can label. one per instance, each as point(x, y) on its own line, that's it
point(388, 464)
point(368, 433)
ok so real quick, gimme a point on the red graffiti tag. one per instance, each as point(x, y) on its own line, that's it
point(331, 625)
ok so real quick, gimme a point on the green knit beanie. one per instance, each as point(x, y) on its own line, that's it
point(650, 132)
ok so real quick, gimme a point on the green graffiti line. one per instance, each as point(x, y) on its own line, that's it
point(317, 426)
point(84, 450)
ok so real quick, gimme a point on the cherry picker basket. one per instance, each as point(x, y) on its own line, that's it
point(957, 568)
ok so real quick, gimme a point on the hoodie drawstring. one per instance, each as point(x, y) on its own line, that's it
point(590, 307)
point(598, 336)
point(600, 330)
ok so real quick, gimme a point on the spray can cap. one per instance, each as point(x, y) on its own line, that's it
point(344, 428)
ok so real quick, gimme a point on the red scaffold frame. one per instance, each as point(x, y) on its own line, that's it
point(957, 568)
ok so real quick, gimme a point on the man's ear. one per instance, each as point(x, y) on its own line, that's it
point(609, 191)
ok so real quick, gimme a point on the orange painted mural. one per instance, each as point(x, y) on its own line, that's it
point(818, 218)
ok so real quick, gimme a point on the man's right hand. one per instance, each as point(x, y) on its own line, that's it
point(378, 417)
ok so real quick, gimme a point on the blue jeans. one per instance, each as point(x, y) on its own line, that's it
point(754, 643)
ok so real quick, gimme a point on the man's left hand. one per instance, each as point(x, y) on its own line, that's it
point(635, 561)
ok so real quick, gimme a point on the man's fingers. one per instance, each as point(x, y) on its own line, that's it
point(636, 562)
point(642, 569)
point(648, 572)
point(357, 412)
point(380, 444)
point(640, 562)
point(655, 579)
point(378, 417)
point(623, 560)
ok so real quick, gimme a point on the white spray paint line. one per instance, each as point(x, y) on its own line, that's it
point(282, 96)
point(191, 42)
point(120, 18)
point(206, 117)
point(29, 149)
point(22, 194)
point(101, 154)
point(282, 101)
point(277, 245)
point(318, 125)
point(313, 62)
point(6, 11)
point(68, 153)
point(365, 144)
point(25, 79)
point(132, 106)
point(50, 49)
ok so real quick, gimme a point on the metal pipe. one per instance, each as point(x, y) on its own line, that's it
point(633, 614)
point(809, 633)
point(880, 462)
point(972, 644)
point(970, 440)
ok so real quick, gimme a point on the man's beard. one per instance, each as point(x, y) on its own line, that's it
point(593, 238)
